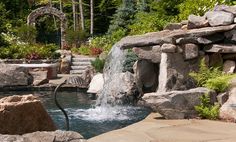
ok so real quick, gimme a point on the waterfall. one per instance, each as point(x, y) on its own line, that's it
point(112, 77)
point(106, 107)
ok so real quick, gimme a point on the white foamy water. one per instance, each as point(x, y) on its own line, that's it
point(116, 113)
point(112, 81)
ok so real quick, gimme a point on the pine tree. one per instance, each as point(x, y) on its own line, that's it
point(123, 16)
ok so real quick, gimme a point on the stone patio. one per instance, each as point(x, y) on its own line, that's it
point(156, 129)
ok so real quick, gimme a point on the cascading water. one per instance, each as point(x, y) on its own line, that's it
point(107, 108)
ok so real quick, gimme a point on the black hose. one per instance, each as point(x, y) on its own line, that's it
point(60, 107)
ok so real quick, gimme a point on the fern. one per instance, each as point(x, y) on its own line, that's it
point(211, 78)
point(206, 110)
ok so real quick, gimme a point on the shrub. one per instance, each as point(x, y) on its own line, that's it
point(29, 51)
point(219, 84)
point(206, 110)
point(27, 33)
point(205, 73)
point(84, 50)
point(211, 78)
point(95, 51)
point(146, 22)
point(98, 64)
point(131, 57)
point(75, 37)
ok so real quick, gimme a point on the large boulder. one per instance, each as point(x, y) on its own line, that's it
point(174, 72)
point(230, 36)
point(96, 84)
point(190, 51)
point(230, 9)
point(220, 48)
point(65, 65)
point(59, 136)
point(177, 104)
point(152, 53)
point(229, 66)
point(197, 22)
point(219, 18)
point(11, 75)
point(23, 114)
point(228, 109)
point(167, 36)
point(40, 77)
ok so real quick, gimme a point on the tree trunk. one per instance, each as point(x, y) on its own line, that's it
point(61, 6)
point(91, 17)
point(81, 14)
point(75, 18)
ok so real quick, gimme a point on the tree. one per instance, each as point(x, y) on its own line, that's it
point(75, 17)
point(81, 14)
point(123, 17)
point(91, 17)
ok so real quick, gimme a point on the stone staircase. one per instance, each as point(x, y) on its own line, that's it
point(79, 64)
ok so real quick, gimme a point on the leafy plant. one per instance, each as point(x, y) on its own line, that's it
point(27, 33)
point(98, 64)
point(131, 57)
point(219, 84)
point(84, 50)
point(206, 110)
point(205, 73)
point(211, 78)
point(95, 51)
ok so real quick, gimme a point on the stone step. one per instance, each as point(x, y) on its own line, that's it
point(81, 63)
point(76, 71)
point(78, 67)
point(82, 59)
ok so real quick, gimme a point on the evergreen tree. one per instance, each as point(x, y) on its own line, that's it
point(123, 17)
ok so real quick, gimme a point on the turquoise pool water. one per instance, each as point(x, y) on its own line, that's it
point(84, 117)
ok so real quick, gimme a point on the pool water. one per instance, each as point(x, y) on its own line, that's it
point(84, 118)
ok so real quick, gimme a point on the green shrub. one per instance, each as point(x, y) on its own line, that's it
point(211, 78)
point(205, 73)
point(75, 37)
point(27, 33)
point(98, 64)
point(219, 84)
point(29, 52)
point(75, 50)
point(131, 57)
point(206, 110)
point(84, 50)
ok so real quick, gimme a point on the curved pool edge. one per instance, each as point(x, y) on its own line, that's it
point(155, 129)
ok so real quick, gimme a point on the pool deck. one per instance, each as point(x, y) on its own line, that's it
point(156, 129)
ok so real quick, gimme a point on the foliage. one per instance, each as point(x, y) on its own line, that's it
point(206, 110)
point(27, 33)
point(196, 7)
point(205, 73)
point(146, 22)
point(75, 37)
point(123, 17)
point(98, 64)
point(131, 57)
point(219, 84)
point(29, 52)
point(95, 51)
point(211, 78)
point(84, 50)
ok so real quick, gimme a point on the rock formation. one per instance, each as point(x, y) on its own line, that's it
point(23, 114)
point(178, 49)
point(11, 75)
point(59, 136)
